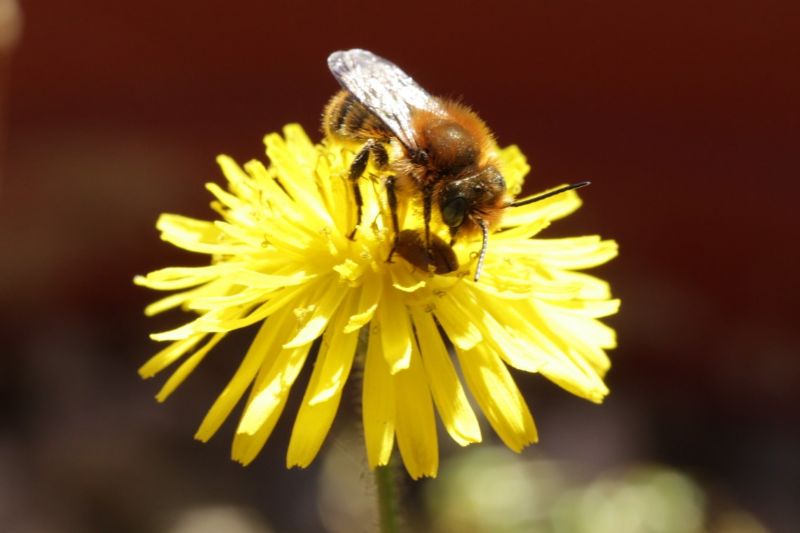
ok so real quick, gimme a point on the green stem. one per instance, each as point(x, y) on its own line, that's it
point(387, 498)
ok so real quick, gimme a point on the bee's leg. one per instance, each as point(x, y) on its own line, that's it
point(391, 197)
point(359, 205)
point(357, 168)
point(379, 154)
point(427, 200)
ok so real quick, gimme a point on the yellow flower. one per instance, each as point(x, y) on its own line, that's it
point(280, 257)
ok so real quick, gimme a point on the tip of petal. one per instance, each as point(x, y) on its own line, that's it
point(598, 395)
point(202, 436)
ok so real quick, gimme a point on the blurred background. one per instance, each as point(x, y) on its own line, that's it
point(683, 114)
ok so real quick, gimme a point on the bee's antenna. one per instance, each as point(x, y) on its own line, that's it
point(485, 229)
point(566, 188)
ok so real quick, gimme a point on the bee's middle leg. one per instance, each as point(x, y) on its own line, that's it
point(357, 168)
point(427, 201)
point(391, 197)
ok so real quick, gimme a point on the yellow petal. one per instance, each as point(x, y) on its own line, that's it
point(273, 199)
point(321, 399)
point(589, 287)
point(230, 201)
point(266, 343)
point(568, 365)
point(214, 321)
point(463, 333)
point(242, 232)
point(176, 278)
point(415, 423)
point(186, 368)
point(298, 181)
point(236, 297)
point(567, 379)
point(378, 409)
point(334, 194)
point(259, 280)
point(525, 228)
point(300, 145)
point(196, 236)
point(395, 330)
point(188, 228)
point(277, 301)
point(367, 304)
point(585, 308)
point(218, 286)
point(514, 167)
point(266, 403)
point(338, 348)
point(326, 305)
point(237, 178)
point(457, 415)
point(581, 322)
point(569, 253)
point(495, 391)
point(168, 355)
point(500, 325)
point(403, 280)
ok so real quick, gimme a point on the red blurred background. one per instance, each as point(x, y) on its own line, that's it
point(685, 117)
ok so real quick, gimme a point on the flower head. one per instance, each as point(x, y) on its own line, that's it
point(280, 257)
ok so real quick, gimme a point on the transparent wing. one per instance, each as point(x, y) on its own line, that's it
point(384, 89)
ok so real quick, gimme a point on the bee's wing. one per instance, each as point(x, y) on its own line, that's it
point(384, 89)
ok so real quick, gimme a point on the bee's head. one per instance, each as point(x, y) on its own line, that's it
point(471, 197)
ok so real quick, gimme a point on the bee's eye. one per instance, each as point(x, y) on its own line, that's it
point(453, 211)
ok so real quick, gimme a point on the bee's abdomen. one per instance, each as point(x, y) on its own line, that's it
point(346, 117)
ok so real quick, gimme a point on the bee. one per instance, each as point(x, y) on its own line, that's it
point(446, 156)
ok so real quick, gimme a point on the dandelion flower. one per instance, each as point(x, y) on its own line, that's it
point(280, 257)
